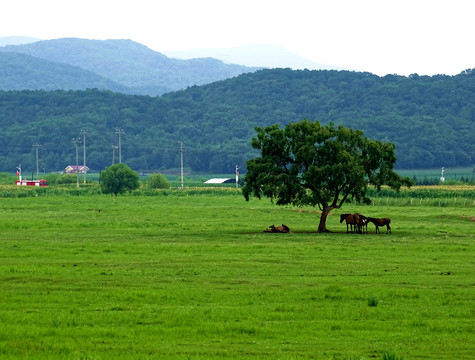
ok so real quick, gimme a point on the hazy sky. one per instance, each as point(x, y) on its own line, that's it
point(380, 36)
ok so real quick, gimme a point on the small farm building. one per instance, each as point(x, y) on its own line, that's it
point(221, 181)
point(73, 169)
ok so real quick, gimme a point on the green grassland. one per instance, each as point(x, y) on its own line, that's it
point(191, 275)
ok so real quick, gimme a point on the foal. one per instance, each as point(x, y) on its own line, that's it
point(363, 224)
point(381, 222)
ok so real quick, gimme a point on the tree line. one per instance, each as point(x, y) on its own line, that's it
point(429, 119)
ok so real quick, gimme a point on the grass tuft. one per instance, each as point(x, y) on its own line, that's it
point(373, 301)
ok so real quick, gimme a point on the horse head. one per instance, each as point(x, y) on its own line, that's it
point(343, 217)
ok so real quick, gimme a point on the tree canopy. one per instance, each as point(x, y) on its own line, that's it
point(158, 181)
point(118, 178)
point(309, 164)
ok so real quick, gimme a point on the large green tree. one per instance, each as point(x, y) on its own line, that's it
point(309, 164)
point(119, 178)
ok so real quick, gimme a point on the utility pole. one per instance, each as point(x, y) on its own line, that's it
point(113, 153)
point(19, 172)
point(119, 132)
point(83, 133)
point(237, 176)
point(76, 141)
point(181, 162)
point(36, 146)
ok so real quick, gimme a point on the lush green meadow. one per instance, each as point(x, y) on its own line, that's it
point(191, 275)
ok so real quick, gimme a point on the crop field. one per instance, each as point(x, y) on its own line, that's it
point(191, 275)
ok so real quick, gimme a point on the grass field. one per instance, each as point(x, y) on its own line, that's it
point(191, 275)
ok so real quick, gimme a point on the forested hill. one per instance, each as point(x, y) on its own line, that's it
point(20, 71)
point(135, 67)
point(430, 119)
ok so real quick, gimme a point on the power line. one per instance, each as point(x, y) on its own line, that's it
point(114, 147)
point(76, 141)
point(83, 133)
point(36, 146)
point(119, 132)
point(181, 162)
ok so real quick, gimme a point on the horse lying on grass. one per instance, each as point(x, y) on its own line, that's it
point(381, 222)
point(278, 229)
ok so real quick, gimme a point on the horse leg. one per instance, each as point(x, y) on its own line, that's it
point(377, 229)
point(388, 228)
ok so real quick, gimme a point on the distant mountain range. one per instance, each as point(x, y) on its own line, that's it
point(21, 72)
point(263, 55)
point(17, 40)
point(117, 65)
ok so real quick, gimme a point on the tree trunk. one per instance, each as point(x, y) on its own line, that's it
point(322, 227)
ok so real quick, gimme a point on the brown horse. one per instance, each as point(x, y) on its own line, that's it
point(353, 220)
point(381, 222)
point(278, 229)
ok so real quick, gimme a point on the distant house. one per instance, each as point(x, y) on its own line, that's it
point(73, 169)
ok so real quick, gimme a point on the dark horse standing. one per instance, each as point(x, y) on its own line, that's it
point(353, 220)
point(381, 222)
point(356, 221)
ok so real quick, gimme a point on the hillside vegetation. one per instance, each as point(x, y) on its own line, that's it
point(20, 72)
point(430, 119)
point(138, 69)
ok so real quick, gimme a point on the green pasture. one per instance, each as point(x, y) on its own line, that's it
point(191, 275)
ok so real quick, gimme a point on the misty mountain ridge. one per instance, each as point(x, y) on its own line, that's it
point(17, 40)
point(261, 55)
point(20, 71)
point(129, 64)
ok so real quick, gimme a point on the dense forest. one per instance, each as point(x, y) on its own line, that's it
point(430, 119)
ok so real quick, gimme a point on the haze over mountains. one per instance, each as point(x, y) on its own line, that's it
point(263, 55)
point(24, 72)
point(128, 66)
point(17, 40)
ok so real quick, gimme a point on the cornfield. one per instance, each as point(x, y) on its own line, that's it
point(457, 195)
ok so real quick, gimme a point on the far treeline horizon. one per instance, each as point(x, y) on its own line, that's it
point(430, 119)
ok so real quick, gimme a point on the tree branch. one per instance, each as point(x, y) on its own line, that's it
point(344, 198)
